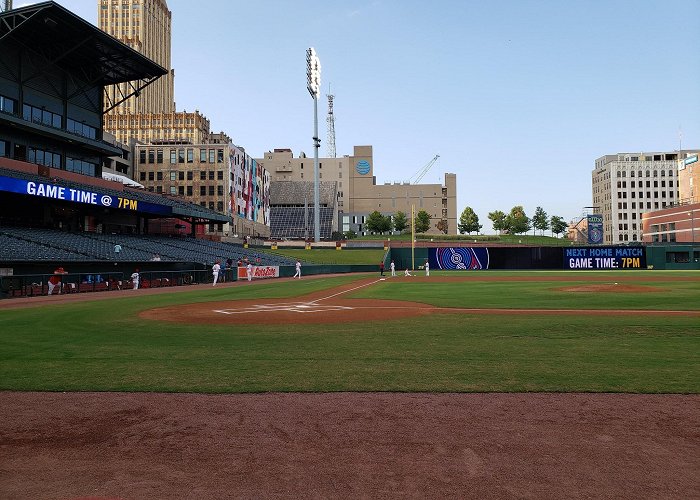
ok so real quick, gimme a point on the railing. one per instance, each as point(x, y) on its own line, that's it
point(32, 285)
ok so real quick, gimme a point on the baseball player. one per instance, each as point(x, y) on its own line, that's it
point(215, 271)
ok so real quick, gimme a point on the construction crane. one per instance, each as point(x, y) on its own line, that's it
point(416, 178)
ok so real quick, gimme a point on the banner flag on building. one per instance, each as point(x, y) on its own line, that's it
point(595, 229)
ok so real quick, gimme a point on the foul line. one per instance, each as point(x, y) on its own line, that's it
point(344, 291)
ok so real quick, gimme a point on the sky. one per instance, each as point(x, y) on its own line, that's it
point(518, 97)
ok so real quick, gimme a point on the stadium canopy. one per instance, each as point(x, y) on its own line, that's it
point(78, 47)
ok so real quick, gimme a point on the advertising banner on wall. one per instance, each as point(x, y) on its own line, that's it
point(458, 258)
point(605, 258)
point(259, 272)
point(595, 229)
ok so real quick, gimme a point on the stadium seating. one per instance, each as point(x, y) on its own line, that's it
point(292, 211)
point(37, 244)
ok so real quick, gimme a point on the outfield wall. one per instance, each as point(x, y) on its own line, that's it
point(681, 257)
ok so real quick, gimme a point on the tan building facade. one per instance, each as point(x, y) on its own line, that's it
point(158, 127)
point(626, 185)
point(145, 26)
point(359, 195)
point(689, 178)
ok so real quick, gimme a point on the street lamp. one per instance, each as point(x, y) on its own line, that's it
point(313, 84)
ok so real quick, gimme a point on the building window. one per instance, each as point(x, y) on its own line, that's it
point(220, 175)
point(189, 190)
point(173, 156)
point(181, 156)
point(219, 156)
point(151, 176)
point(81, 166)
point(159, 156)
point(202, 175)
point(202, 190)
point(41, 116)
point(7, 105)
point(211, 190)
point(212, 156)
point(143, 176)
point(159, 176)
point(211, 175)
point(80, 128)
point(190, 155)
point(220, 190)
point(202, 156)
point(189, 175)
point(220, 206)
point(142, 156)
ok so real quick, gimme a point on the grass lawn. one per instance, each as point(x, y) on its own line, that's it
point(104, 346)
point(332, 256)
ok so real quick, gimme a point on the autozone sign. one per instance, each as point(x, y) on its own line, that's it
point(259, 272)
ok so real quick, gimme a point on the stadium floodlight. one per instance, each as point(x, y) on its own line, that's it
point(313, 73)
point(313, 84)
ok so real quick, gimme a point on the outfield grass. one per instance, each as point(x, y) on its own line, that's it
point(332, 256)
point(676, 295)
point(104, 346)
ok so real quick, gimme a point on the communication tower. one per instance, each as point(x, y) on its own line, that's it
point(331, 125)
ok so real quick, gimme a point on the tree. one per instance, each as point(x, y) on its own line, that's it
point(442, 226)
point(400, 221)
point(468, 221)
point(498, 219)
point(557, 224)
point(374, 222)
point(422, 221)
point(516, 221)
point(540, 220)
point(385, 224)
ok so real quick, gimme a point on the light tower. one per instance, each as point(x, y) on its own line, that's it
point(5, 5)
point(331, 124)
point(313, 84)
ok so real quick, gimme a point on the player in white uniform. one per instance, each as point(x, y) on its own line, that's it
point(215, 271)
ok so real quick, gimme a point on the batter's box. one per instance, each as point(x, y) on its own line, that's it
point(296, 307)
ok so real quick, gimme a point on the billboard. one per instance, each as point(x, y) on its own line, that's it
point(259, 272)
point(75, 195)
point(605, 258)
point(595, 229)
point(459, 258)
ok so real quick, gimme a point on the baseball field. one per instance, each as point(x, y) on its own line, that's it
point(482, 384)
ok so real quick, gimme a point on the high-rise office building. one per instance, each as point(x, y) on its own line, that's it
point(626, 185)
point(143, 25)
